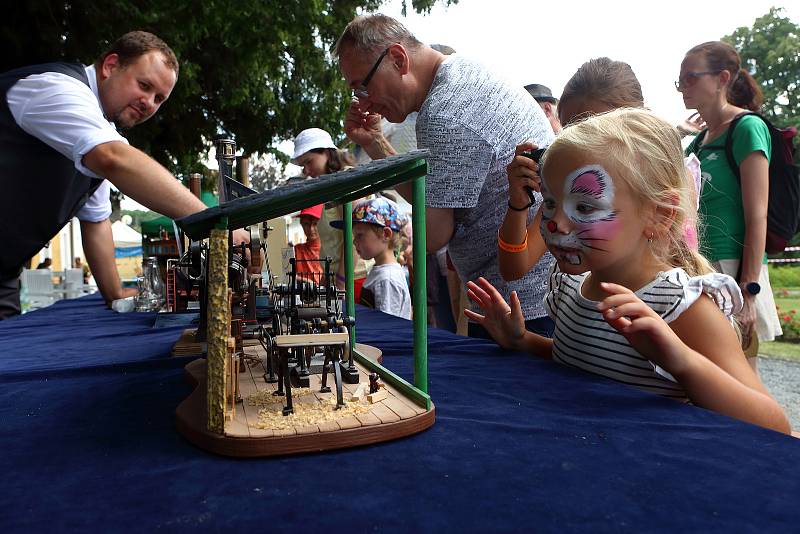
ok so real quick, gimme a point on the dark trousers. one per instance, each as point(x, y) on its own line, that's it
point(9, 298)
point(543, 326)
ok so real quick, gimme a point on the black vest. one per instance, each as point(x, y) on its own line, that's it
point(40, 189)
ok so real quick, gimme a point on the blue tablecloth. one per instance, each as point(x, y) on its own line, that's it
point(89, 442)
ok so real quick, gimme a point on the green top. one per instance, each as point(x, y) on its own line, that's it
point(721, 210)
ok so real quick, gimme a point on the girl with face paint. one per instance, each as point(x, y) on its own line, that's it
point(630, 299)
point(599, 85)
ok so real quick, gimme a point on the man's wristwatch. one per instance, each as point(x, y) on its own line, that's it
point(752, 288)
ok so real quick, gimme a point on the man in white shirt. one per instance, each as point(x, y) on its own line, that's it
point(59, 142)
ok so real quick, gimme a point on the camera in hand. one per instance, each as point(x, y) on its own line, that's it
point(535, 155)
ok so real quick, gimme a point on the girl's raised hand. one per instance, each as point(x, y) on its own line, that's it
point(644, 329)
point(505, 323)
point(523, 175)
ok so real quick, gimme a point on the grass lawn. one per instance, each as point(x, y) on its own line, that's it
point(782, 349)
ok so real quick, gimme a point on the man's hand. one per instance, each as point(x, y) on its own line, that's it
point(126, 292)
point(364, 128)
point(242, 235)
point(505, 323)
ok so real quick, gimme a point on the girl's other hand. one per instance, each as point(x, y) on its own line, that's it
point(523, 176)
point(505, 323)
point(644, 329)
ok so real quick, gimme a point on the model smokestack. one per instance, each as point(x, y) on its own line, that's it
point(226, 156)
point(196, 184)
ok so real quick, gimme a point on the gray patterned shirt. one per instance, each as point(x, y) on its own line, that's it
point(471, 122)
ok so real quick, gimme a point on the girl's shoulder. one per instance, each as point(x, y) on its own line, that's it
point(676, 291)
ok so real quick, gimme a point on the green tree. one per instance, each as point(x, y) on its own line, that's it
point(258, 71)
point(771, 52)
point(266, 172)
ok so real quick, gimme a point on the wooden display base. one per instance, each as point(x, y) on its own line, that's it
point(362, 422)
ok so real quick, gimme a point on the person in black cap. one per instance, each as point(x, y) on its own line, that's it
point(548, 103)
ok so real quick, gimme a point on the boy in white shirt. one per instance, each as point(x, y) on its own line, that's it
point(376, 233)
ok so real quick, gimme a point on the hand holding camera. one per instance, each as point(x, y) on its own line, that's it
point(523, 176)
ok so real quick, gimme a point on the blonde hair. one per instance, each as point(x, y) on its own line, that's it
point(647, 153)
point(394, 242)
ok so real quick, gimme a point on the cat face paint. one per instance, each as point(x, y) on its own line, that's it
point(588, 217)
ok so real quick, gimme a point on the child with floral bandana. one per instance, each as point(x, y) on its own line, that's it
point(630, 299)
point(377, 224)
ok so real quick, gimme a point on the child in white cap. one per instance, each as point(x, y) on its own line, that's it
point(316, 153)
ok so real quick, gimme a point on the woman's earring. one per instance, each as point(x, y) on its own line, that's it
point(650, 238)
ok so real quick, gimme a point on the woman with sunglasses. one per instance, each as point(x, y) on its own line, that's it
point(733, 211)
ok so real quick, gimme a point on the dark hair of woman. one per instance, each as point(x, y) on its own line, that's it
point(743, 91)
point(604, 80)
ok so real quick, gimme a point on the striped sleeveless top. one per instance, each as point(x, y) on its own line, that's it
point(584, 340)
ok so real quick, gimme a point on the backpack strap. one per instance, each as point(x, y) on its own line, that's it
point(729, 143)
point(695, 144)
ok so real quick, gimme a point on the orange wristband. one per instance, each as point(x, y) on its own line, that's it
point(508, 247)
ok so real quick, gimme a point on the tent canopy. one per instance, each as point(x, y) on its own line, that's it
point(153, 226)
point(125, 236)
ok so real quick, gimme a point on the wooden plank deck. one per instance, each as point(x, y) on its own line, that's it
point(309, 403)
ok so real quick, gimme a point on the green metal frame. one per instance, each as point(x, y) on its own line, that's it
point(344, 187)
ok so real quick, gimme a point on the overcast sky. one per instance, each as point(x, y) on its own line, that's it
point(546, 42)
point(527, 43)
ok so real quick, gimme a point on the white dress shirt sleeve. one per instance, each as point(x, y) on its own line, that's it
point(62, 112)
point(98, 207)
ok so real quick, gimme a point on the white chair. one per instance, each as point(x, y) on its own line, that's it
point(38, 288)
point(73, 283)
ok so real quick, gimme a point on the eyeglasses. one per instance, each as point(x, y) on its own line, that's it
point(362, 92)
point(690, 78)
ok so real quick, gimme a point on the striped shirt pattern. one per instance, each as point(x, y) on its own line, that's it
point(583, 339)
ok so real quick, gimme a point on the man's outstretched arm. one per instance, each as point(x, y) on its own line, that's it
point(98, 246)
point(142, 178)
